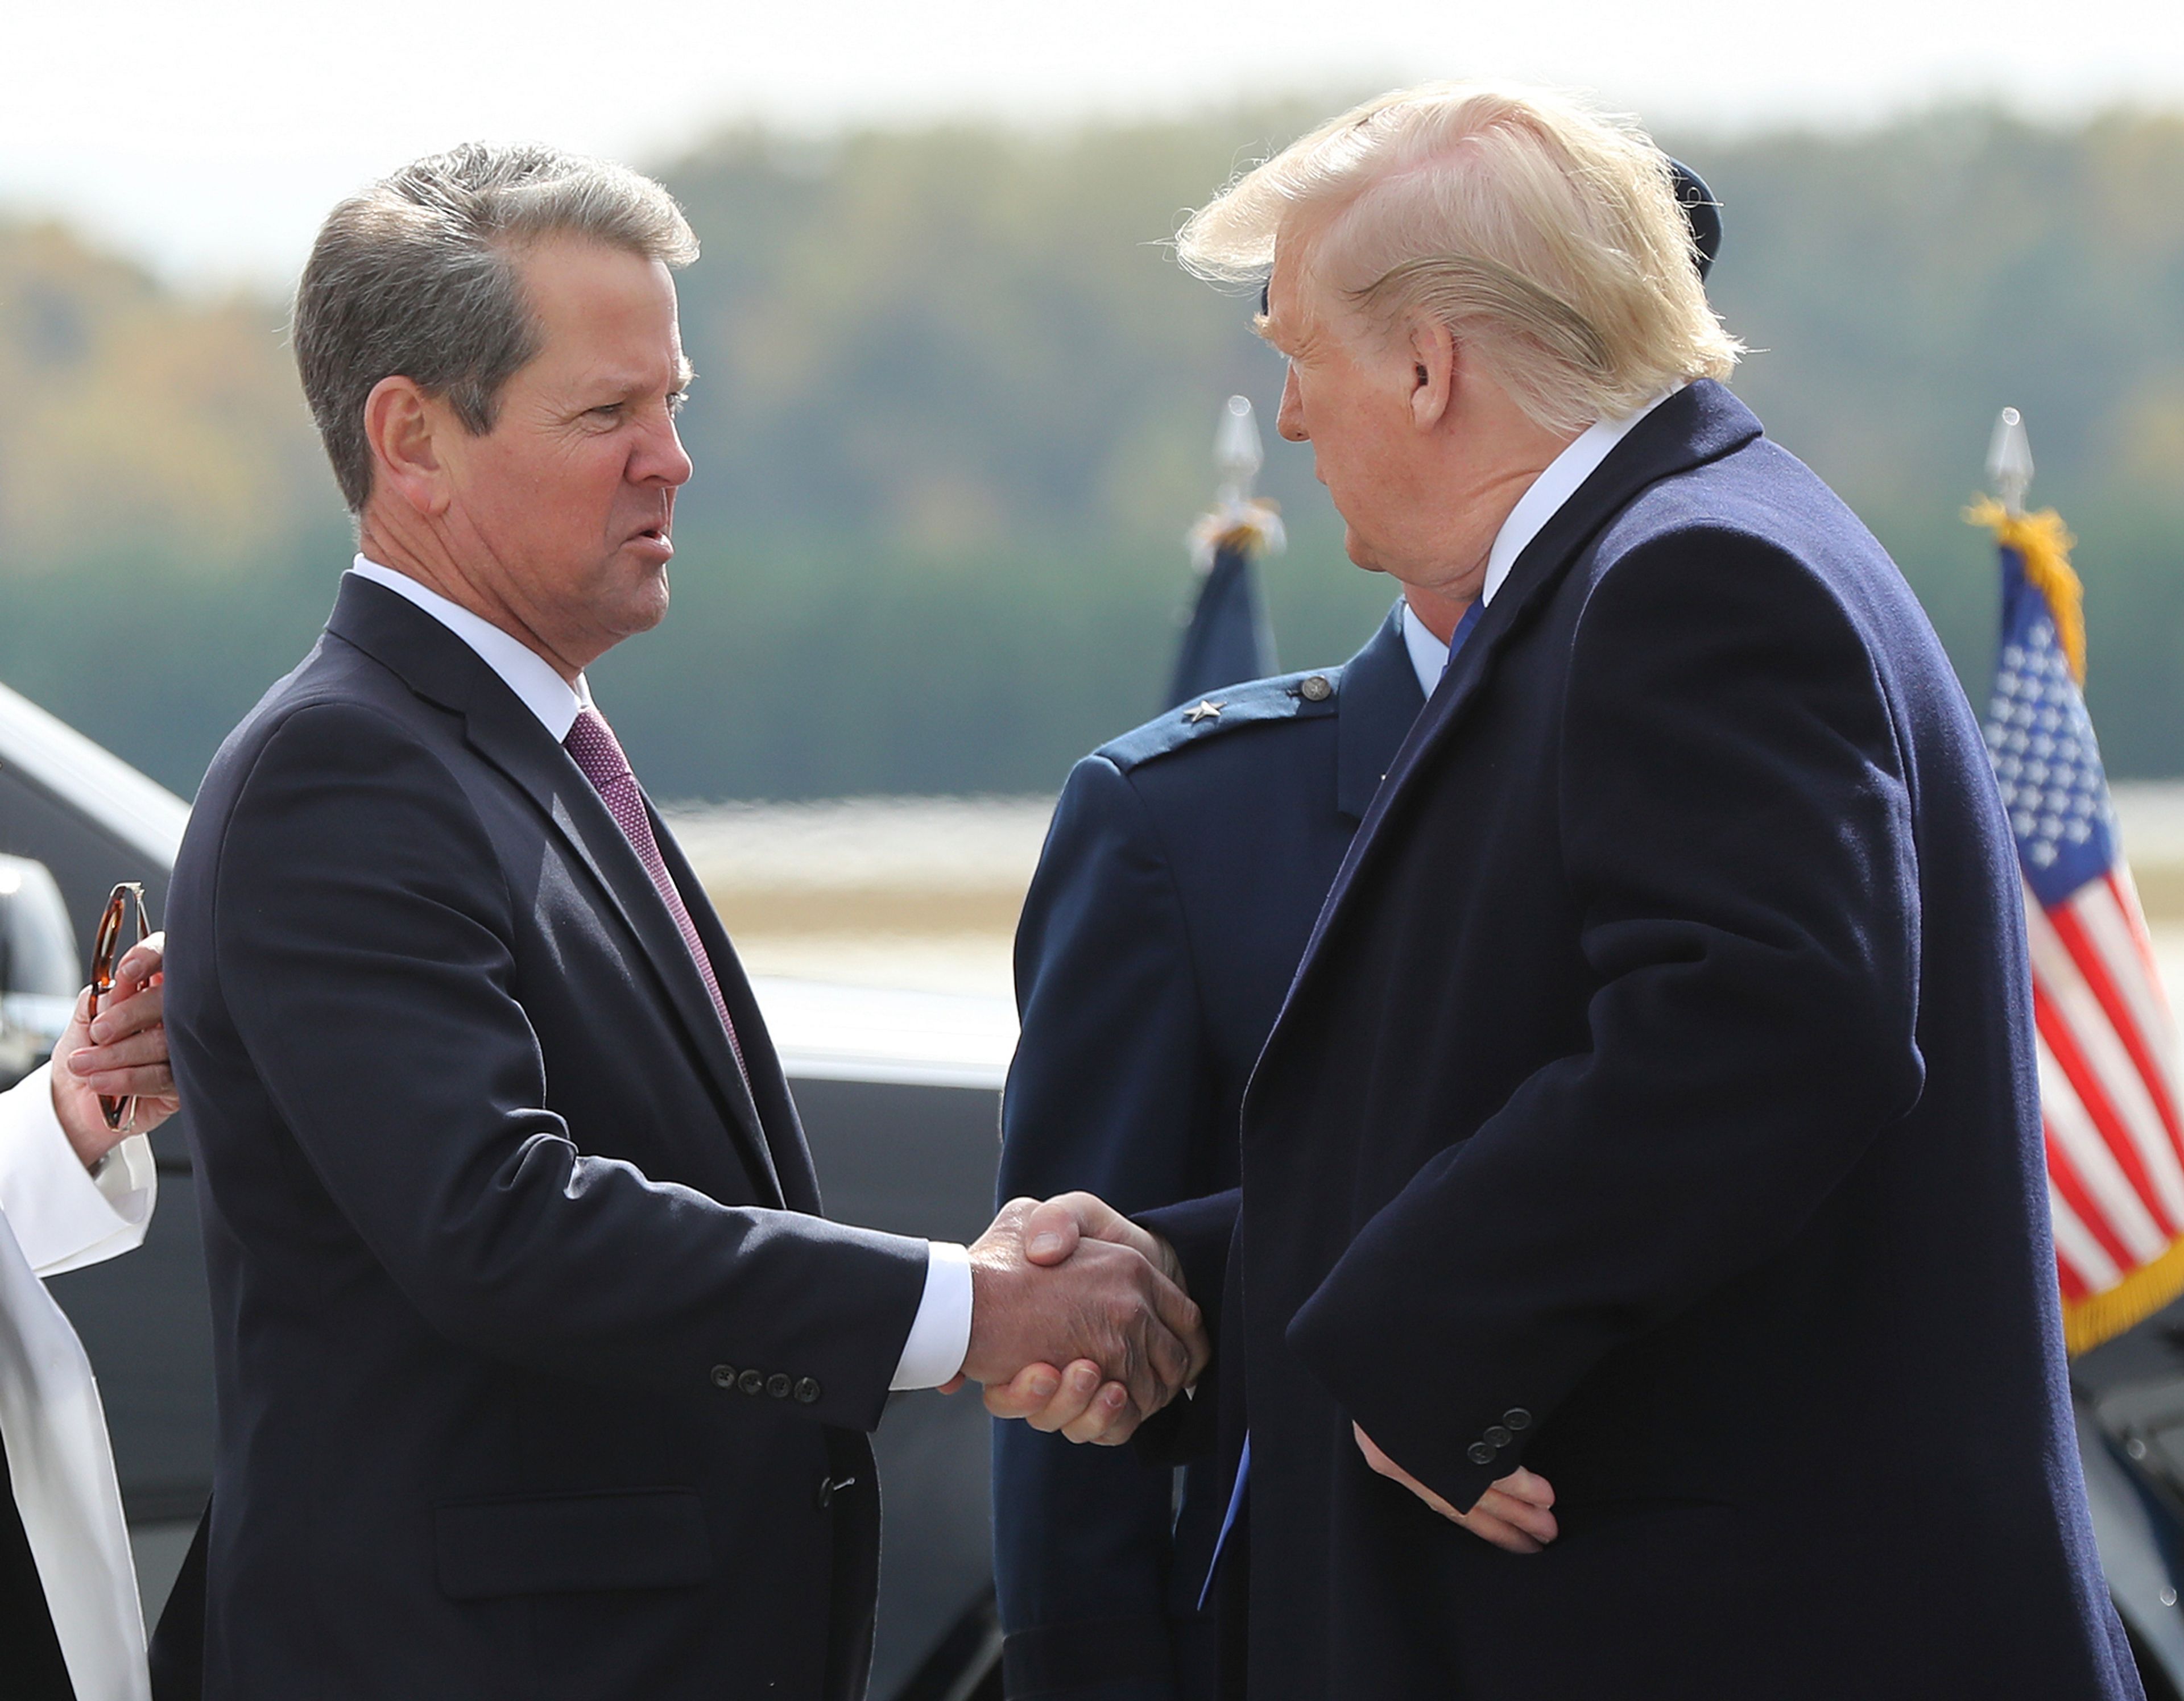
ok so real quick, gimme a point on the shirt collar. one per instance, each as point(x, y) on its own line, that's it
point(1553, 488)
point(545, 693)
point(1429, 655)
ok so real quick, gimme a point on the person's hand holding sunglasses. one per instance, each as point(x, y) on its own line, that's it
point(118, 1055)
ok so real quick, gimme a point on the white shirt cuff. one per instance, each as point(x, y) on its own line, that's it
point(940, 1334)
point(63, 1217)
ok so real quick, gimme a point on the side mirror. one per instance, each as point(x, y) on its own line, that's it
point(40, 975)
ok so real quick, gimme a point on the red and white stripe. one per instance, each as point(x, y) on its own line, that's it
point(2109, 1086)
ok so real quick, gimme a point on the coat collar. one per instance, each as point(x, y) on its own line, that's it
point(440, 668)
point(1379, 700)
point(1700, 423)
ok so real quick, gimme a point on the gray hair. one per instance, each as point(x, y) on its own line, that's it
point(418, 277)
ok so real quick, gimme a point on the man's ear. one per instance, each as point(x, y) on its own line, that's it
point(405, 428)
point(1432, 351)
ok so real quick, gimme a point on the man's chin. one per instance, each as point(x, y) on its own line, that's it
point(643, 605)
point(1360, 554)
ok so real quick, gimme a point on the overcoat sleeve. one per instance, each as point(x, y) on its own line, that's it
point(362, 938)
point(1736, 829)
point(1108, 1093)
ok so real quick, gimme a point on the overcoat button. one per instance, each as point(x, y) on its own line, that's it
point(779, 1384)
point(752, 1381)
point(807, 1391)
point(1316, 689)
point(1517, 1418)
point(1479, 1453)
point(1498, 1436)
point(724, 1375)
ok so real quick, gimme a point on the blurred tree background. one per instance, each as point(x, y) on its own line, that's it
point(955, 408)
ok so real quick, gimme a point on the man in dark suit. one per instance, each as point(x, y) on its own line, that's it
point(1177, 890)
point(539, 1373)
point(1653, 1114)
point(1178, 883)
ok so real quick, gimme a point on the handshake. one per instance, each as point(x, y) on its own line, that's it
point(1079, 1321)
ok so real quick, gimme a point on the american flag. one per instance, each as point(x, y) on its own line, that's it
point(2109, 1080)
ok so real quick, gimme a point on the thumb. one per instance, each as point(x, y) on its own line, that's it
point(1051, 1233)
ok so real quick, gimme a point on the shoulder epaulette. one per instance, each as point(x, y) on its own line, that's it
point(1285, 697)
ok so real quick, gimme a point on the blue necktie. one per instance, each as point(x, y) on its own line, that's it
point(1244, 1459)
point(1463, 631)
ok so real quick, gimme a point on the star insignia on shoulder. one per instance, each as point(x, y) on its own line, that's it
point(1204, 710)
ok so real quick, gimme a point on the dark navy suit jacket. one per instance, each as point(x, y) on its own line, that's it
point(532, 1353)
point(1655, 1107)
point(1180, 879)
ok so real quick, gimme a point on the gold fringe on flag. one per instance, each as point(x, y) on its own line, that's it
point(2099, 1316)
point(1255, 525)
point(2043, 543)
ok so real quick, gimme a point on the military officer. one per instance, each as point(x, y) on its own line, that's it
point(1186, 863)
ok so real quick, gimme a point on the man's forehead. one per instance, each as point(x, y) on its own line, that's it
point(609, 317)
point(1281, 320)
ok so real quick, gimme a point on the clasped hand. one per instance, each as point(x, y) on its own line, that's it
point(1079, 1321)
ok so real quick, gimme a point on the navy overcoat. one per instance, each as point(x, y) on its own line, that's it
point(1655, 1108)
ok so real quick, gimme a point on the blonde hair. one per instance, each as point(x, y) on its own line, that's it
point(1545, 236)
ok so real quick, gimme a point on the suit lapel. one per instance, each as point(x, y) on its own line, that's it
point(441, 668)
point(1700, 423)
point(795, 1178)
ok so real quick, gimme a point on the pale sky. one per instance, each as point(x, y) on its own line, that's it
point(209, 137)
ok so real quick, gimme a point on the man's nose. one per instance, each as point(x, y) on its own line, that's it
point(661, 459)
point(1289, 421)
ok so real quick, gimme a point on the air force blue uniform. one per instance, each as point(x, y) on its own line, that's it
point(1186, 863)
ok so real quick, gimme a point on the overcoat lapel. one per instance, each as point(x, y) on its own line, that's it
point(1700, 423)
point(439, 666)
point(1379, 702)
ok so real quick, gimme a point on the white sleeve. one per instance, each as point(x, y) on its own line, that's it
point(62, 1215)
point(940, 1334)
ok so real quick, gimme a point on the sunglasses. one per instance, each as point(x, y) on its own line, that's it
point(106, 950)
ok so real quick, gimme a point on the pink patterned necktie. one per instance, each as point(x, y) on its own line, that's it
point(598, 753)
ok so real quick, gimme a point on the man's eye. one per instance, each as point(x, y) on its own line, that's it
point(676, 401)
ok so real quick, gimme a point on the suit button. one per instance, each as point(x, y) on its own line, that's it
point(807, 1391)
point(724, 1375)
point(1517, 1418)
point(752, 1381)
point(779, 1384)
point(1479, 1453)
point(1316, 689)
point(1498, 1436)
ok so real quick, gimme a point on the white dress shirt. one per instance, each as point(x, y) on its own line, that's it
point(1429, 655)
point(54, 1216)
point(1554, 486)
point(1540, 503)
point(940, 1334)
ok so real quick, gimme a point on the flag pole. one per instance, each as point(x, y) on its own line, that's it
point(2009, 462)
point(1228, 638)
